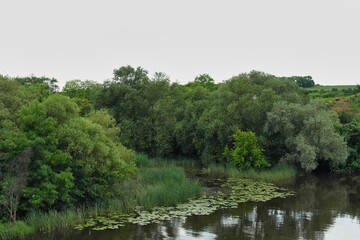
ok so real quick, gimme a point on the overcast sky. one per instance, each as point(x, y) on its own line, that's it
point(85, 39)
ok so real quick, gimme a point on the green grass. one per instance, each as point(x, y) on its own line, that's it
point(275, 175)
point(166, 186)
point(329, 93)
point(161, 182)
point(331, 87)
point(18, 230)
point(143, 160)
point(54, 220)
point(46, 222)
point(220, 170)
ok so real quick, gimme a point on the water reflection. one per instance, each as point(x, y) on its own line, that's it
point(323, 208)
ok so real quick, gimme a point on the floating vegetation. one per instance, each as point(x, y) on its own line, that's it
point(240, 190)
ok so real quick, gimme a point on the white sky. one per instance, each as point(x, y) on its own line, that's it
point(85, 39)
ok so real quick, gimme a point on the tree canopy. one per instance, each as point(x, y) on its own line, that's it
point(305, 134)
point(77, 145)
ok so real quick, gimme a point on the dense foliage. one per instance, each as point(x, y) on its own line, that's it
point(246, 152)
point(305, 134)
point(303, 81)
point(72, 160)
point(73, 145)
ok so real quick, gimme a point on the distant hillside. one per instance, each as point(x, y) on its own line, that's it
point(332, 92)
point(332, 87)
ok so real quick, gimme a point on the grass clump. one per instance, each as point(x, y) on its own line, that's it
point(166, 186)
point(54, 220)
point(277, 174)
point(144, 161)
point(18, 230)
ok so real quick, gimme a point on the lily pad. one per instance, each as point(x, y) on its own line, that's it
point(242, 190)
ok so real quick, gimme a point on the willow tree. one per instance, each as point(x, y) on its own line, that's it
point(305, 134)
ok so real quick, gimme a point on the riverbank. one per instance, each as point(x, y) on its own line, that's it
point(278, 174)
point(154, 186)
point(159, 183)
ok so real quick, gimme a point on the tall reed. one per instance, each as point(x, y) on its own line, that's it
point(54, 220)
point(166, 186)
point(276, 174)
point(18, 230)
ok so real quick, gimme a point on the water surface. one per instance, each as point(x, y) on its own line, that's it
point(324, 207)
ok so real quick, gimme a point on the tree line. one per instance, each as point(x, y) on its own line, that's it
point(72, 147)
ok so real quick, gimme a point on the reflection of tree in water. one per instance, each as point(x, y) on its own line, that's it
point(317, 203)
point(354, 195)
point(308, 214)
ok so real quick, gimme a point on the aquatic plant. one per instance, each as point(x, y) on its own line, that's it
point(166, 186)
point(18, 230)
point(278, 174)
point(240, 190)
point(47, 222)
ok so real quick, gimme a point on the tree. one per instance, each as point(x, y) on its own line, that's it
point(131, 76)
point(84, 94)
point(303, 81)
point(12, 95)
point(81, 89)
point(304, 134)
point(245, 152)
point(49, 83)
point(14, 146)
point(14, 182)
point(203, 80)
point(95, 160)
point(195, 102)
point(75, 160)
point(38, 87)
point(351, 133)
point(239, 103)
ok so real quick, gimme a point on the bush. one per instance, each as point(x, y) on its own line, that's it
point(246, 152)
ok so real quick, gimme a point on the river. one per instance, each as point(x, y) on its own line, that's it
point(324, 207)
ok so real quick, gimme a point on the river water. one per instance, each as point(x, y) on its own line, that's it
point(324, 207)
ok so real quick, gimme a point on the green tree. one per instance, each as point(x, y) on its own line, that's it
point(134, 101)
point(125, 97)
point(239, 103)
point(203, 80)
point(75, 160)
point(245, 152)
point(84, 94)
point(195, 102)
point(96, 161)
point(13, 147)
point(38, 87)
point(351, 133)
point(81, 89)
point(131, 76)
point(50, 179)
point(49, 83)
point(104, 119)
point(12, 96)
point(305, 134)
point(14, 182)
point(302, 81)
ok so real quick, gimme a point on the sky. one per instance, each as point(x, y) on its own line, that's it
point(88, 39)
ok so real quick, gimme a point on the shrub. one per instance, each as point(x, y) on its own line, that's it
point(246, 152)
